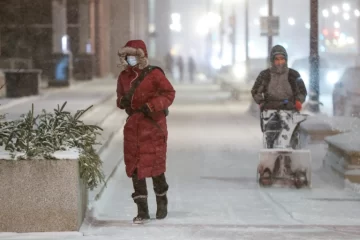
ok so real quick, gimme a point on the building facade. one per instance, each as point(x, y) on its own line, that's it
point(35, 29)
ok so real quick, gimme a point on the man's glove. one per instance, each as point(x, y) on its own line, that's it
point(298, 105)
point(261, 105)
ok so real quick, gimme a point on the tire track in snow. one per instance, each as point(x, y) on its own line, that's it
point(279, 207)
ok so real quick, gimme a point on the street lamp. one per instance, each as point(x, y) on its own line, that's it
point(270, 38)
point(234, 28)
point(208, 22)
point(246, 9)
point(176, 22)
point(335, 9)
point(346, 7)
point(291, 21)
point(221, 30)
point(247, 58)
point(314, 56)
point(263, 11)
point(325, 13)
point(357, 13)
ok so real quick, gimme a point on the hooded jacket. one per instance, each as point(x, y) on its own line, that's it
point(145, 139)
point(279, 88)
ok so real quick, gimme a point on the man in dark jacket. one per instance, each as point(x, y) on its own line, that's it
point(279, 87)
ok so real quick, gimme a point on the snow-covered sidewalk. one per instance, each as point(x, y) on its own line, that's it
point(213, 194)
point(212, 160)
point(78, 96)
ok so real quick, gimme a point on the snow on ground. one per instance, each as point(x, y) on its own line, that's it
point(327, 107)
point(212, 162)
point(212, 159)
point(77, 98)
point(349, 141)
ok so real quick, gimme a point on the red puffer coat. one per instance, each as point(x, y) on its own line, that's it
point(145, 143)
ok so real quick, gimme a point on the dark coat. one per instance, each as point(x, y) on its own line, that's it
point(260, 90)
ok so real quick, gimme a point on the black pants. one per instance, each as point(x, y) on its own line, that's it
point(140, 189)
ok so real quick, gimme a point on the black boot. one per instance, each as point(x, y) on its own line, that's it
point(143, 211)
point(160, 188)
point(162, 203)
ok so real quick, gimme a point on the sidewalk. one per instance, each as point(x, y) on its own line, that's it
point(211, 170)
point(79, 95)
point(45, 91)
point(212, 158)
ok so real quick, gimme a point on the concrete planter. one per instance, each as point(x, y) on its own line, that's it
point(343, 156)
point(41, 195)
point(316, 128)
point(316, 134)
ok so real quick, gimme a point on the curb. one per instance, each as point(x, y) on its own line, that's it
point(102, 101)
point(106, 143)
point(98, 196)
point(90, 215)
point(102, 120)
point(111, 136)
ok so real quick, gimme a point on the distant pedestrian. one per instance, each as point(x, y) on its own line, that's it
point(180, 64)
point(169, 64)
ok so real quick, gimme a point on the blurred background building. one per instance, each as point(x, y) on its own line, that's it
point(32, 32)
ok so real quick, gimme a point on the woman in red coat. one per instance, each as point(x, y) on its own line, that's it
point(145, 131)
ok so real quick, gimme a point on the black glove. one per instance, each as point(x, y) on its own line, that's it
point(124, 102)
point(145, 109)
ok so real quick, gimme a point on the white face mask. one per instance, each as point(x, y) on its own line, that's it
point(131, 60)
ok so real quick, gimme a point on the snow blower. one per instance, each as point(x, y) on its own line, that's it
point(282, 161)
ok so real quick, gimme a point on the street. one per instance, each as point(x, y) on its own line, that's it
point(211, 171)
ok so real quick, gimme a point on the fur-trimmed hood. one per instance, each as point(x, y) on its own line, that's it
point(134, 48)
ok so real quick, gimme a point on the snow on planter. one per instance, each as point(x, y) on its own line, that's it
point(318, 127)
point(343, 155)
